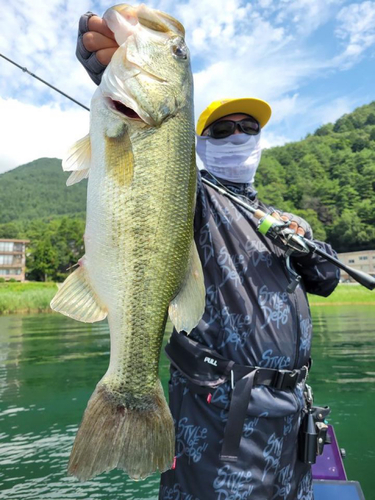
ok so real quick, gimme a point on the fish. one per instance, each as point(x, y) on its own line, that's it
point(141, 263)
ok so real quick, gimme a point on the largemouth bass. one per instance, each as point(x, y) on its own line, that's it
point(140, 259)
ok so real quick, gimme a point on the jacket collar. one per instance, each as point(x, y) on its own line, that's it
point(243, 189)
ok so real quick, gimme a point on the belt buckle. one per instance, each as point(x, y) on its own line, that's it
point(232, 384)
point(285, 379)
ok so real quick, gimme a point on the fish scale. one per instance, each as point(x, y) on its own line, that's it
point(160, 240)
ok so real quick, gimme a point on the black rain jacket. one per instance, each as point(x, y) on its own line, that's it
point(250, 319)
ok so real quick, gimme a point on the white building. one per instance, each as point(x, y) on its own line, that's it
point(13, 259)
point(362, 261)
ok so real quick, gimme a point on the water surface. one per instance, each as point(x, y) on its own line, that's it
point(49, 366)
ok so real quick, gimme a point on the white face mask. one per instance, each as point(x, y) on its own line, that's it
point(235, 158)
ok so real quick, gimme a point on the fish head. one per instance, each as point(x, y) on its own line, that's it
point(149, 77)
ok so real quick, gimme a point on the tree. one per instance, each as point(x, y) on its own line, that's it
point(56, 245)
point(324, 130)
point(343, 124)
point(350, 233)
point(359, 143)
point(311, 217)
point(42, 260)
point(370, 119)
point(329, 177)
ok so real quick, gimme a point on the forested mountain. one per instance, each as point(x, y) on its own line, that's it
point(328, 178)
point(37, 190)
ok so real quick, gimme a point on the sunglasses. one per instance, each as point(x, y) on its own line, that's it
point(225, 128)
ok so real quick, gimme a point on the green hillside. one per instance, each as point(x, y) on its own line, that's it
point(38, 190)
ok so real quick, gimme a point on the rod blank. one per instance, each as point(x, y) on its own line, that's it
point(25, 70)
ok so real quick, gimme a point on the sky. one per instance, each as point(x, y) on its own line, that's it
point(312, 60)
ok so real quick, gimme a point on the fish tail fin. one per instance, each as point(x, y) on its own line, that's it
point(118, 432)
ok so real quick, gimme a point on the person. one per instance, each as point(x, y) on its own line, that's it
point(237, 385)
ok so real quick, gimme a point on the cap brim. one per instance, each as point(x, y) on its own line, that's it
point(257, 108)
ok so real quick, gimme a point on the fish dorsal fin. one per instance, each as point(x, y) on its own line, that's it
point(78, 160)
point(76, 299)
point(187, 308)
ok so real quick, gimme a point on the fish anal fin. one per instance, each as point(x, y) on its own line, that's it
point(76, 299)
point(187, 308)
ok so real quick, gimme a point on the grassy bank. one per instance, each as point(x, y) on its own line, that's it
point(345, 294)
point(26, 297)
point(35, 297)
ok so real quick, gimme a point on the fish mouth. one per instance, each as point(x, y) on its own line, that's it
point(124, 110)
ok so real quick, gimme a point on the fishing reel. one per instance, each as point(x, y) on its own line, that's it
point(280, 231)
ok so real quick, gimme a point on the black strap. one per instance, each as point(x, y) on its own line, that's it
point(207, 368)
point(236, 417)
point(278, 379)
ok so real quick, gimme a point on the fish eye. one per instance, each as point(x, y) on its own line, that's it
point(179, 49)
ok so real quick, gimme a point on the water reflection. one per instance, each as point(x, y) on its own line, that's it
point(49, 366)
point(343, 377)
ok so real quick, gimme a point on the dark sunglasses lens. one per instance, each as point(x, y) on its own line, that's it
point(222, 129)
point(249, 127)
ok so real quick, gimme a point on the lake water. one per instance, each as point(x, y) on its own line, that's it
point(49, 366)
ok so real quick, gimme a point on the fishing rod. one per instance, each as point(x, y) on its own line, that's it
point(267, 225)
point(25, 70)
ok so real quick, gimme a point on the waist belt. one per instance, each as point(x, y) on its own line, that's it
point(206, 368)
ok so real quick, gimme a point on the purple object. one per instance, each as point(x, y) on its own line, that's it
point(329, 465)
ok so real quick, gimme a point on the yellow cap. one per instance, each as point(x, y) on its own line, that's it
point(257, 108)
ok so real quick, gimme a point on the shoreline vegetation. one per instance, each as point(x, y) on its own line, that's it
point(34, 297)
point(26, 298)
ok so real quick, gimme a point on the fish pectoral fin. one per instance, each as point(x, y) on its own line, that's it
point(187, 308)
point(76, 299)
point(75, 177)
point(78, 160)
